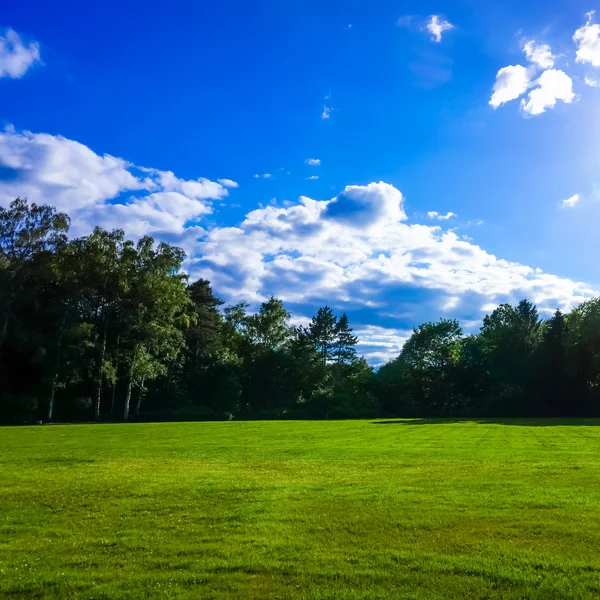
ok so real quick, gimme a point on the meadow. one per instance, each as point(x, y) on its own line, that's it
point(304, 510)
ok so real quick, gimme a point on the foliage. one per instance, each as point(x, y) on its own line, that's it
point(116, 321)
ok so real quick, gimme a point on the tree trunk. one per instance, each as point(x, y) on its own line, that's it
point(140, 397)
point(130, 384)
point(128, 397)
point(99, 375)
point(52, 396)
point(56, 369)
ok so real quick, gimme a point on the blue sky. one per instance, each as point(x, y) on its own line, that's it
point(129, 114)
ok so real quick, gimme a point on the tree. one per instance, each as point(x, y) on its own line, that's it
point(204, 332)
point(344, 345)
point(430, 356)
point(323, 332)
point(103, 287)
point(392, 387)
point(65, 335)
point(157, 308)
point(269, 328)
point(308, 373)
point(583, 357)
point(552, 381)
point(26, 231)
point(79, 315)
point(509, 337)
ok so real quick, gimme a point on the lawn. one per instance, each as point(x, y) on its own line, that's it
point(319, 510)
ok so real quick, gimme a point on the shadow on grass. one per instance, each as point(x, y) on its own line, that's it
point(521, 422)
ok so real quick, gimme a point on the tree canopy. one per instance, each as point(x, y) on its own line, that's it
point(106, 328)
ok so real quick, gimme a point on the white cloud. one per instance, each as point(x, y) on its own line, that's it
point(228, 183)
point(263, 176)
point(326, 114)
point(552, 85)
point(385, 268)
point(313, 162)
point(381, 344)
point(312, 177)
point(103, 190)
point(571, 202)
point(436, 27)
point(17, 57)
point(367, 207)
point(283, 245)
point(354, 252)
point(514, 81)
point(511, 82)
point(432, 214)
point(591, 81)
point(539, 54)
point(587, 40)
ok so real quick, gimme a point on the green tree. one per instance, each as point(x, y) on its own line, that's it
point(103, 287)
point(323, 332)
point(157, 311)
point(26, 231)
point(509, 338)
point(269, 327)
point(583, 359)
point(65, 337)
point(344, 350)
point(204, 332)
point(552, 379)
point(430, 356)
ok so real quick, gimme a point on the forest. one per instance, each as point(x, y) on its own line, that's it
point(109, 329)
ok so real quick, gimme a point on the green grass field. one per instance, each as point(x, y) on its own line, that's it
point(354, 509)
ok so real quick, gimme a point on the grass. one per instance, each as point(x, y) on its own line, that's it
point(301, 510)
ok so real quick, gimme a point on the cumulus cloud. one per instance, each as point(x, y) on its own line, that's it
point(263, 176)
point(552, 85)
point(313, 162)
point(432, 214)
point(591, 81)
point(312, 177)
point(587, 40)
point(511, 83)
point(381, 344)
point(100, 189)
point(437, 26)
point(539, 54)
point(373, 205)
point(326, 114)
point(228, 183)
point(16, 56)
point(387, 274)
point(514, 81)
point(571, 202)
point(355, 252)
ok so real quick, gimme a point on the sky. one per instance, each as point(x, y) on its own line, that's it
point(397, 161)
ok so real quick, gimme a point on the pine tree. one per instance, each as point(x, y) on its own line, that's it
point(323, 332)
point(345, 342)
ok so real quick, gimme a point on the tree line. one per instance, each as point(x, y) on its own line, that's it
point(105, 328)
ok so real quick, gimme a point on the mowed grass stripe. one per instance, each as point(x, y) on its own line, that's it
point(353, 509)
